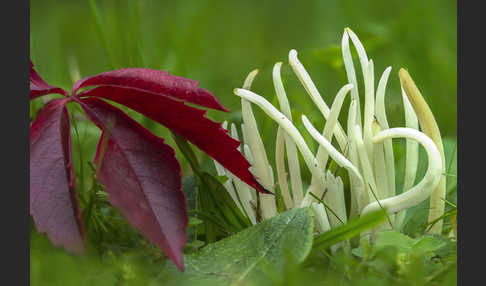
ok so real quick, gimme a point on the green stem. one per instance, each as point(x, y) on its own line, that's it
point(325, 205)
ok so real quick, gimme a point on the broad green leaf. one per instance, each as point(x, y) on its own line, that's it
point(244, 256)
point(395, 239)
point(404, 244)
point(347, 231)
point(426, 244)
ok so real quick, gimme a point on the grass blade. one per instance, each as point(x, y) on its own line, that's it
point(347, 231)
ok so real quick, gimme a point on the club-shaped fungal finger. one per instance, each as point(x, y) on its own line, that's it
point(242, 190)
point(425, 187)
point(281, 173)
point(311, 89)
point(430, 128)
point(333, 153)
point(380, 114)
point(411, 160)
point(411, 155)
point(351, 74)
point(379, 166)
point(292, 155)
point(322, 155)
point(369, 109)
point(363, 58)
point(260, 166)
point(358, 196)
point(288, 127)
point(335, 198)
point(366, 166)
point(260, 163)
point(221, 171)
point(320, 217)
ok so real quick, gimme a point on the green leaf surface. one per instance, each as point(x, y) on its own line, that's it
point(426, 244)
point(244, 256)
point(395, 239)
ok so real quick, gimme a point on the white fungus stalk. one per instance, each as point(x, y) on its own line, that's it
point(321, 220)
point(379, 169)
point(363, 58)
point(281, 173)
point(335, 196)
point(367, 169)
point(243, 191)
point(369, 109)
point(311, 89)
point(430, 128)
point(424, 188)
point(350, 73)
point(336, 200)
point(287, 125)
point(260, 164)
point(292, 155)
point(411, 157)
point(379, 165)
point(354, 118)
point(333, 153)
point(322, 155)
point(380, 113)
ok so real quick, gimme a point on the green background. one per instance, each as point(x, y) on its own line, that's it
point(219, 42)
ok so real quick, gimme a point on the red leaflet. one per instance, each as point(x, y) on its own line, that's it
point(39, 87)
point(142, 177)
point(154, 81)
point(53, 202)
point(188, 122)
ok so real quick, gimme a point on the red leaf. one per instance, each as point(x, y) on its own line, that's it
point(39, 87)
point(156, 82)
point(188, 122)
point(53, 202)
point(141, 176)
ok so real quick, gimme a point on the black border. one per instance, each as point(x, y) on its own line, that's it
point(471, 194)
point(14, 118)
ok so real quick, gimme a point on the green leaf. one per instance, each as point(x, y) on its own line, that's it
point(393, 238)
point(426, 244)
point(245, 255)
point(347, 231)
point(194, 221)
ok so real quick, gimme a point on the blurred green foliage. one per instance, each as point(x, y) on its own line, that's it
point(218, 42)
